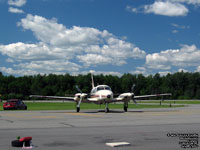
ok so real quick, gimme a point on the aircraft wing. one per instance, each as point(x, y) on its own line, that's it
point(154, 95)
point(128, 96)
point(54, 97)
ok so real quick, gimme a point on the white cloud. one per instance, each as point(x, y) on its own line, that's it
point(58, 44)
point(193, 2)
point(9, 60)
point(38, 51)
point(18, 72)
point(174, 31)
point(198, 69)
point(140, 70)
point(166, 9)
point(15, 10)
point(187, 56)
point(182, 70)
point(50, 66)
point(99, 72)
point(18, 3)
point(164, 73)
point(180, 26)
point(94, 59)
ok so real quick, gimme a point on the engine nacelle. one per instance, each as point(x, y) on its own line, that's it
point(126, 96)
point(78, 96)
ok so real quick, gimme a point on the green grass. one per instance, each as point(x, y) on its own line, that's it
point(72, 106)
point(172, 101)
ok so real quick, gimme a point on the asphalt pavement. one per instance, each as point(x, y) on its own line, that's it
point(144, 129)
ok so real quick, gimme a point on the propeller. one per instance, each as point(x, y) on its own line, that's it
point(78, 89)
point(81, 97)
point(132, 90)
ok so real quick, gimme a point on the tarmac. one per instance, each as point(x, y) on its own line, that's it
point(144, 129)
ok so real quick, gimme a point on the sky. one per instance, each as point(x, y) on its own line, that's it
point(99, 36)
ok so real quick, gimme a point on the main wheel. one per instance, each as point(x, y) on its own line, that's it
point(77, 109)
point(107, 110)
point(125, 108)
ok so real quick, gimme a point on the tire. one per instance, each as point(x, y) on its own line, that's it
point(125, 108)
point(77, 109)
point(107, 110)
point(17, 143)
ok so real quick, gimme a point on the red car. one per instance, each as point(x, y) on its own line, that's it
point(14, 104)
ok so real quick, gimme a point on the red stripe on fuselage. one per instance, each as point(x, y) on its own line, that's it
point(95, 96)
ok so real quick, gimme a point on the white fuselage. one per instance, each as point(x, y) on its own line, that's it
point(101, 94)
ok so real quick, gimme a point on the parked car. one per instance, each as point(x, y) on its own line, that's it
point(14, 104)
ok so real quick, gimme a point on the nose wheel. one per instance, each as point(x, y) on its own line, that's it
point(107, 109)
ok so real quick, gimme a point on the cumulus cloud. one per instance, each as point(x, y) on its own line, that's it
point(193, 2)
point(182, 70)
point(186, 56)
point(70, 46)
point(164, 73)
point(15, 10)
point(198, 69)
point(140, 70)
point(18, 3)
point(50, 66)
point(165, 8)
point(99, 72)
point(174, 31)
point(18, 72)
point(180, 26)
point(9, 60)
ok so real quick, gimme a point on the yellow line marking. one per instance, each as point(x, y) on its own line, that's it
point(84, 114)
point(45, 117)
point(29, 115)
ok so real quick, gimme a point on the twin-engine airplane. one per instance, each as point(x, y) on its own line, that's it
point(101, 94)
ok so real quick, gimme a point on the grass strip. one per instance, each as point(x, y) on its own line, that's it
point(171, 101)
point(72, 106)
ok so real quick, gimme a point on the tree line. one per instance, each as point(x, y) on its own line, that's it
point(182, 85)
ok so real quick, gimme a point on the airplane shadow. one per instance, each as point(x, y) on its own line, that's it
point(113, 111)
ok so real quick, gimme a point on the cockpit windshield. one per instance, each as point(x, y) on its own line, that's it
point(103, 88)
point(107, 88)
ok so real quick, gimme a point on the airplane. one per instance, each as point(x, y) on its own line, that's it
point(101, 94)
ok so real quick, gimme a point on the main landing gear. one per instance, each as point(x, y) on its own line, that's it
point(77, 109)
point(125, 107)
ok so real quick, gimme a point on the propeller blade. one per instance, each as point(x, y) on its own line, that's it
point(78, 89)
point(132, 88)
point(134, 101)
point(79, 103)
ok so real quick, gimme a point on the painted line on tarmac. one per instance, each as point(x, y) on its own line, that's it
point(45, 117)
point(182, 112)
point(29, 115)
point(84, 114)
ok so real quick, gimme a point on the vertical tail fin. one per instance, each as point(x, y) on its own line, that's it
point(92, 80)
